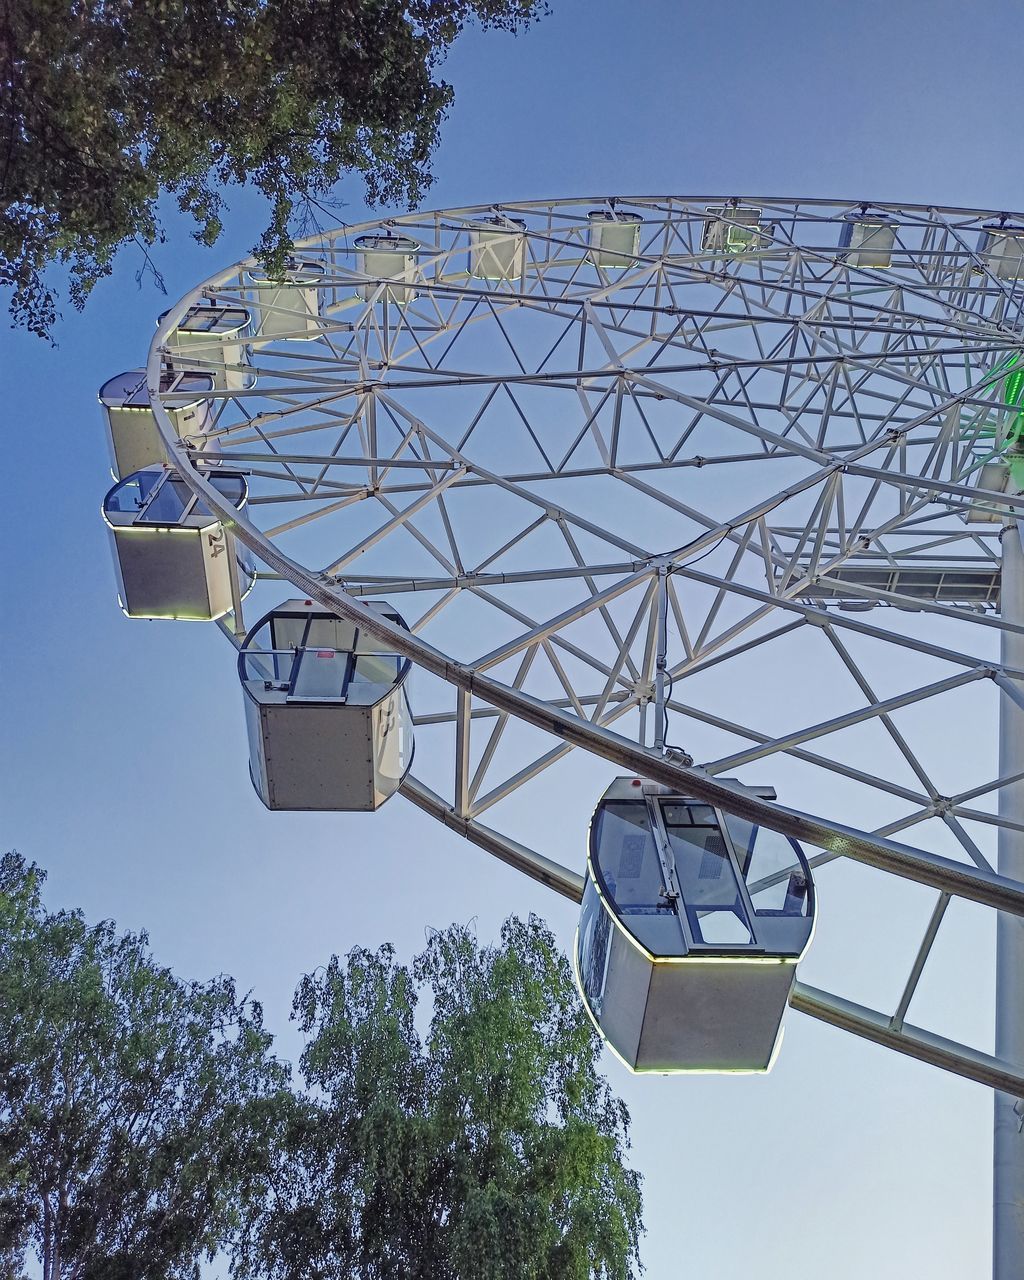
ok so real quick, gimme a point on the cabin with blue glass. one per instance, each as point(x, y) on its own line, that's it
point(867, 240)
point(132, 432)
point(214, 338)
point(1001, 249)
point(497, 248)
point(734, 229)
point(614, 238)
point(383, 258)
point(326, 709)
point(691, 926)
point(286, 307)
point(173, 557)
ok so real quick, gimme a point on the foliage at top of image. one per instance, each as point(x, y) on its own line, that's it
point(145, 1123)
point(107, 104)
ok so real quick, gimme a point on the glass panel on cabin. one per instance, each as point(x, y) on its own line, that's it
point(132, 493)
point(775, 876)
point(169, 503)
point(203, 320)
point(1004, 251)
point(376, 668)
point(405, 734)
point(734, 230)
point(595, 930)
point(138, 396)
point(707, 878)
point(613, 238)
point(198, 382)
point(231, 486)
point(331, 633)
point(737, 239)
point(320, 673)
point(121, 389)
point(627, 858)
point(288, 631)
point(274, 668)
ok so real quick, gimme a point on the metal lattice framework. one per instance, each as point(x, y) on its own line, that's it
point(716, 502)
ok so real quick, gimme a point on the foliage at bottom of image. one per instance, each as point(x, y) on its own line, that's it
point(145, 1123)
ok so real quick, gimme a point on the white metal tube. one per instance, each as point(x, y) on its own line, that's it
point(661, 663)
point(915, 1042)
point(1008, 1139)
point(927, 868)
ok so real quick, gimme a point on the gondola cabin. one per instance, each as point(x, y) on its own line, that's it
point(991, 477)
point(132, 433)
point(734, 229)
point(214, 338)
point(868, 241)
point(173, 557)
point(326, 710)
point(387, 258)
point(691, 926)
point(497, 248)
point(287, 307)
point(1001, 249)
point(614, 238)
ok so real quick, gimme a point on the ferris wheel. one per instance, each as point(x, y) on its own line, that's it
point(674, 498)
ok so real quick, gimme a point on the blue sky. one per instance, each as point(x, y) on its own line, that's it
point(124, 748)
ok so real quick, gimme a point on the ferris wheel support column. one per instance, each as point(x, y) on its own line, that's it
point(1008, 1136)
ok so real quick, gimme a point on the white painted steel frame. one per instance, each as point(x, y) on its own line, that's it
point(873, 395)
point(1008, 1119)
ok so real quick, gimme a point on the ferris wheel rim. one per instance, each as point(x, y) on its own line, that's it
point(344, 230)
point(953, 877)
point(331, 595)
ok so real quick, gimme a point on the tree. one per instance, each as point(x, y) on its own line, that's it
point(145, 1125)
point(135, 1108)
point(490, 1149)
point(105, 104)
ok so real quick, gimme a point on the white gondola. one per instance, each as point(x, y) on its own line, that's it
point(326, 710)
point(388, 257)
point(614, 238)
point(287, 307)
point(132, 433)
point(173, 557)
point(734, 229)
point(1002, 249)
point(691, 927)
point(867, 240)
point(497, 248)
point(992, 477)
point(215, 339)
